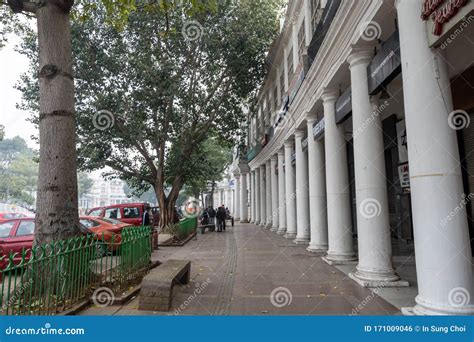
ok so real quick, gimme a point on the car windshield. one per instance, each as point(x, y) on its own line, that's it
point(5, 229)
point(111, 221)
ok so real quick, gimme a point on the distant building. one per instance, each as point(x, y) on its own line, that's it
point(103, 193)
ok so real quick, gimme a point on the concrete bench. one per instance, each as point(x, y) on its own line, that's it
point(156, 292)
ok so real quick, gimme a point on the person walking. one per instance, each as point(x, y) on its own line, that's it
point(221, 216)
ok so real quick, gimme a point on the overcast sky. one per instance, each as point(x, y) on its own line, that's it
point(12, 64)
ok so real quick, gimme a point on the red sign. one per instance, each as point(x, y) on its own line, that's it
point(441, 11)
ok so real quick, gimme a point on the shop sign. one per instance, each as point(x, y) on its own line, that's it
point(404, 176)
point(443, 16)
point(386, 64)
point(318, 129)
point(402, 142)
point(344, 105)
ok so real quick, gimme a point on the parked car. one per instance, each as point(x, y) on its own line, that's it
point(15, 235)
point(136, 214)
point(105, 229)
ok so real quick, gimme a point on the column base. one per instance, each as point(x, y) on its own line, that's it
point(317, 249)
point(244, 221)
point(274, 229)
point(281, 231)
point(301, 241)
point(387, 280)
point(290, 235)
point(423, 308)
point(268, 226)
point(334, 260)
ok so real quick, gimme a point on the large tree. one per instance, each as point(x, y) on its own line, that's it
point(57, 202)
point(150, 93)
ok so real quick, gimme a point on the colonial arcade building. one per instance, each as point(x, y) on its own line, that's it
point(363, 142)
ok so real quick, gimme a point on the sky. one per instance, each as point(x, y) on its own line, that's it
point(12, 65)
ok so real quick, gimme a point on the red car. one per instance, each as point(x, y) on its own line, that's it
point(15, 235)
point(18, 234)
point(136, 214)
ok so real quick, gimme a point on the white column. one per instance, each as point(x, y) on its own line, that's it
point(237, 197)
point(290, 196)
point(302, 195)
point(281, 193)
point(340, 249)
point(263, 199)
point(274, 182)
point(251, 196)
point(257, 196)
point(373, 226)
point(442, 245)
point(317, 192)
point(243, 199)
point(268, 194)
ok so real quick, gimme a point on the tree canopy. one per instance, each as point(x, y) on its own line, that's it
point(150, 93)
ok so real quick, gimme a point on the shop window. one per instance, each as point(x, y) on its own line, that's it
point(301, 39)
point(290, 65)
point(282, 84)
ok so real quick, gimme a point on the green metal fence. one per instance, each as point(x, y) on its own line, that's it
point(53, 278)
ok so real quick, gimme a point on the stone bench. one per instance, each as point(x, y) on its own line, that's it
point(156, 292)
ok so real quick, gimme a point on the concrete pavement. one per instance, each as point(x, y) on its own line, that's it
point(248, 270)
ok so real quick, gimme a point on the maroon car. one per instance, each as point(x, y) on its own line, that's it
point(15, 235)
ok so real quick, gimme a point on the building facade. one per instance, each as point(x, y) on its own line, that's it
point(362, 142)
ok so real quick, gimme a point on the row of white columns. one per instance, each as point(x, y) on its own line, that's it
point(310, 202)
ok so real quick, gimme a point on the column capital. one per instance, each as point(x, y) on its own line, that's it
point(360, 54)
point(329, 94)
point(281, 152)
point(267, 163)
point(274, 157)
point(263, 166)
point(299, 133)
point(311, 118)
point(289, 143)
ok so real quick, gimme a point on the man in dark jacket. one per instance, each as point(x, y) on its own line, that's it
point(221, 216)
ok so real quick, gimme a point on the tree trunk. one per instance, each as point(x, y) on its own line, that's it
point(57, 200)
